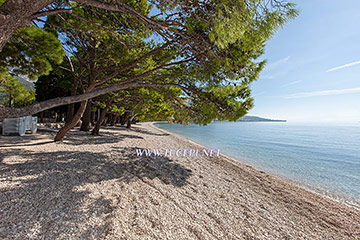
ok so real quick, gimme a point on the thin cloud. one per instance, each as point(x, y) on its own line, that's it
point(291, 83)
point(268, 77)
point(278, 63)
point(343, 66)
point(323, 93)
point(272, 70)
point(258, 94)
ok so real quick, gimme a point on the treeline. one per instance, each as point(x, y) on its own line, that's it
point(191, 61)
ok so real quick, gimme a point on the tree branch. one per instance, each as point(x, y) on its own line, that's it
point(133, 64)
point(6, 112)
point(50, 12)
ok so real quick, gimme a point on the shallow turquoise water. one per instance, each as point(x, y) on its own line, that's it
point(322, 156)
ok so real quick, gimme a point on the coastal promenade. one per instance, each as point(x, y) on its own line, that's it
point(99, 187)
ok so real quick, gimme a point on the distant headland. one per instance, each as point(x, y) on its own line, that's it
point(258, 119)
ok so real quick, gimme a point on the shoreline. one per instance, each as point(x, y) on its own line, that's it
point(337, 197)
point(96, 187)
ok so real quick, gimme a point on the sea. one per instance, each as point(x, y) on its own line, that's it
point(322, 157)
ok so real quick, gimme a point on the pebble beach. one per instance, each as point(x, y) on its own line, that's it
point(98, 187)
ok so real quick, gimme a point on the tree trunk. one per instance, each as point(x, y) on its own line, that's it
point(122, 121)
point(60, 135)
point(70, 112)
point(93, 115)
point(98, 114)
point(128, 125)
point(41, 117)
point(130, 119)
point(110, 118)
point(11, 101)
point(104, 122)
point(61, 116)
point(124, 118)
point(97, 127)
point(15, 14)
point(85, 126)
point(114, 120)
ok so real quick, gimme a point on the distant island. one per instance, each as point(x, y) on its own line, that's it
point(258, 119)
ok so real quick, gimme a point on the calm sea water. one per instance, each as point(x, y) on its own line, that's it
point(324, 157)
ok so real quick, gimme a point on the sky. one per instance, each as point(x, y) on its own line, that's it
point(313, 66)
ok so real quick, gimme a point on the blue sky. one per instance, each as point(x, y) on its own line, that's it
point(313, 68)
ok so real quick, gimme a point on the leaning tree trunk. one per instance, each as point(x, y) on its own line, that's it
point(6, 112)
point(97, 127)
point(8, 27)
point(69, 125)
point(85, 125)
point(15, 14)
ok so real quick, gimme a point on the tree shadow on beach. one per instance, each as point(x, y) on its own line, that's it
point(26, 140)
point(76, 137)
point(104, 138)
point(48, 194)
point(72, 138)
point(144, 131)
point(136, 128)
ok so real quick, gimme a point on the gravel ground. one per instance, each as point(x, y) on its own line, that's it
point(98, 188)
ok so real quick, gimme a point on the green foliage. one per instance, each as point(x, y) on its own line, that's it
point(221, 103)
point(154, 104)
point(146, 103)
point(31, 51)
point(232, 36)
point(13, 94)
point(56, 84)
point(245, 19)
point(220, 40)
